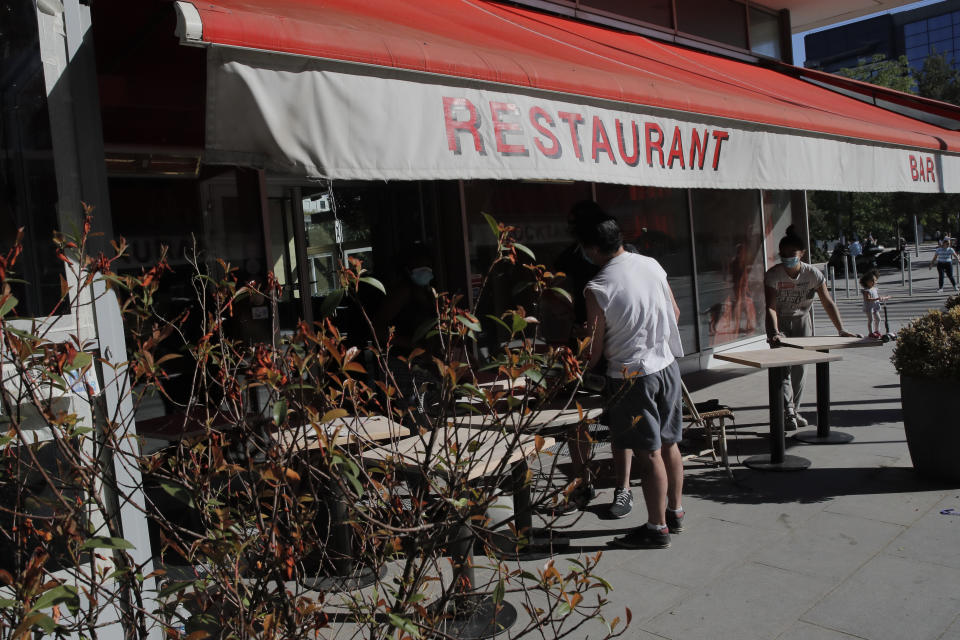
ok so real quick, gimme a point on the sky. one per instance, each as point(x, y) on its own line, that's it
point(799, 51)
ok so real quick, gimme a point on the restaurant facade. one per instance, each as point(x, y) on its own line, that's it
point(286, 138)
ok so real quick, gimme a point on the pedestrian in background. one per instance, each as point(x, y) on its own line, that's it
point(871, 302)
point(944, 256)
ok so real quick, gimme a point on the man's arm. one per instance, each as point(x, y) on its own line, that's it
point(673, 301)
point(771, 320)
point(596, 328)
point(833, 312)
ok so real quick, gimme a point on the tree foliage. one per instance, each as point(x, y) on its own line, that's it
point(835, 214)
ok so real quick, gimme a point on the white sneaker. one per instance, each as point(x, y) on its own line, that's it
point(790, 423)
point(955, 288)
point(801, 421)
point(940, 290)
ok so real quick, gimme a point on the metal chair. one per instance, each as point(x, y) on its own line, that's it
point(711, 417)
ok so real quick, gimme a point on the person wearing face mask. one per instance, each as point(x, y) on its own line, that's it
point(789, 289)
point(410, 301)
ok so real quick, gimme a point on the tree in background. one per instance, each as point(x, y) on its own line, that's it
point(833, 214)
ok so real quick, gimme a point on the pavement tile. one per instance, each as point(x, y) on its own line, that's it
point(746, 602)
point(934, 538)
point(829, 545)
point(804, 631)
point(706, 549)
point(953, 633)
point(890, 505)
point(891, 599)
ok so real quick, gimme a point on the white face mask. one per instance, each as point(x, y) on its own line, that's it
point(421, 276)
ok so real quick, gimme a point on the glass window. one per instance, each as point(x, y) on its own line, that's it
point(729, 251)
point(941, 47)
point(941, 34)
point(939, 21)
point(914, 28)
point(765, 33)
point(655, 221)
point(918, 53)
point(653, 11)
point(721, 20)
point(539, 211)
point(28, 181)
point(956, 17)
point(917, 40)
point(777, 217)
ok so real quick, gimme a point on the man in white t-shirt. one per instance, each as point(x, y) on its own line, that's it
point(790, 288)
point(632, 314)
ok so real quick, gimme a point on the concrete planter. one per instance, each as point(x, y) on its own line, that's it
point(931, 427)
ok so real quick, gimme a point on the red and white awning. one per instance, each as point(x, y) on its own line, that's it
point(468, 89)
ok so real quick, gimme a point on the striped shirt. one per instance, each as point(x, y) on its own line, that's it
point(945, 254)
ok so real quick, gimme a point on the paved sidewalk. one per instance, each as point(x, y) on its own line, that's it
point(854, 547)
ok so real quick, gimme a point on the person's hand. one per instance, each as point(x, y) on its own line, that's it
point(847, 334)
point(774, 340)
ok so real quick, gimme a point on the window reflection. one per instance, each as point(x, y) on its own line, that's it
point(720, 20)
point(730, 264)
point(656, 12)
point(539, 211)
point(656, 223)
point(764, 33)
point(778, 214)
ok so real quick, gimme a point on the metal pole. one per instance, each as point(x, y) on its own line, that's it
point(903, 271)
point(853, 262)
point(833, 282)
point(910, 273)
point(916, 235)
point(846, 276)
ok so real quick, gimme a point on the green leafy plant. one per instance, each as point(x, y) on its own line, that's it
point(242, 514)
point(930, 346)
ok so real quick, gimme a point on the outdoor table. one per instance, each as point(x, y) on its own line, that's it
point(541, 418)
point(475, 453)
point(350, 430)
point(367, 430)
point(777, 361)
point(823, 344)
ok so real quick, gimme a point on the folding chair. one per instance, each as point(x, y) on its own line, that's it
point(711, 417)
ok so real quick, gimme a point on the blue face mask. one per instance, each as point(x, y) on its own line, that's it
point(421, 276)
point(790, 263)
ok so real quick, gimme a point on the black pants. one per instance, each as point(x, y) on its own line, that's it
point(945, 268)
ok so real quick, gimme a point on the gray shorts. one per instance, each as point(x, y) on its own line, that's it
point(646, 411)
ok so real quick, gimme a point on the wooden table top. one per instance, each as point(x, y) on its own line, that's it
point(816, 343)
point(347, 430)
point(541, 418)
point(782, 357)
point(473, 452)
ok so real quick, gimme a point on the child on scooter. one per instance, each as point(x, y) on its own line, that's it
point(871, 302)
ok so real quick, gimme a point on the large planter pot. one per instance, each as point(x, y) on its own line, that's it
point(931, 427)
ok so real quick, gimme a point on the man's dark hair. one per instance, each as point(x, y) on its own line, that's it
point(593, 227)
point(791, 242)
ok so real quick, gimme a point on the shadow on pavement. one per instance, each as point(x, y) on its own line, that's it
point(808, 486)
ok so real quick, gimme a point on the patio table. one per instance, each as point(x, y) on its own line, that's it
point(823, 344)
point(363, 431)
point(474, 453)
point(776, 362)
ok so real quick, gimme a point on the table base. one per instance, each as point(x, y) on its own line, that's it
point(361, 578)
point(790, 463)
point(541, 544)
point(476, 616)
point(814, 437)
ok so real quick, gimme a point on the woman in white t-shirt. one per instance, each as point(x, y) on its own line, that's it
point(944, 256)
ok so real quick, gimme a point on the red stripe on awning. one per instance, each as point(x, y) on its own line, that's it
point(496, 43)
